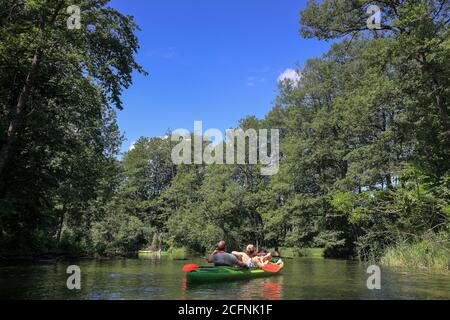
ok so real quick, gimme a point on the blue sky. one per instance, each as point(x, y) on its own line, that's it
point(214, 61)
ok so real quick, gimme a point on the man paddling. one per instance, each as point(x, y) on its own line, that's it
point(222, 258)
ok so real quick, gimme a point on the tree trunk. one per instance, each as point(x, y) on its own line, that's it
point(388, 178)
point(19, 114)
point(61, 224)
point(442, 107)
point(438, 96)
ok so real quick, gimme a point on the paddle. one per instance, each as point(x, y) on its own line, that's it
point(272, 268)
point(193, 267)
point(190, 267)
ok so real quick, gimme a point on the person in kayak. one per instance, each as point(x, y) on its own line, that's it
point(222, 258)
point(250, 257)
point(276, 252)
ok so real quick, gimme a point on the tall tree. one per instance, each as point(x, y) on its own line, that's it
point(35, 38)
point(59, 135)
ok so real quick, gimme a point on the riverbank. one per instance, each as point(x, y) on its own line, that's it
point(293, 252)
point(425, 255)
point(55, 256)
point(428, 255)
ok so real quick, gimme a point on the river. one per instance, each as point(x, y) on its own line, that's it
point(302, 278)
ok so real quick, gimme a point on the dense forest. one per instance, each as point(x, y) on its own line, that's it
point(364, 138)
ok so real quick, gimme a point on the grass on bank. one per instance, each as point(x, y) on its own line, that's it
point(425, 254)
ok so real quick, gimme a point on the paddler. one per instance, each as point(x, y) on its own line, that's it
point(250, 257)
point(222, 258)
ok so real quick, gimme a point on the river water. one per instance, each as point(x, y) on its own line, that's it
point(302, 278)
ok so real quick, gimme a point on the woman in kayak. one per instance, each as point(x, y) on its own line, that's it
point(250, 257)
point(222, 258)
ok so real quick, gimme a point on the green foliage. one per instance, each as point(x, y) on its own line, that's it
point(290, 253)
point(119, 235)
point(312, 252)
point(365, 138)
point(189, 228)
point(178, 253)
point(363, 153)
point(58, 165)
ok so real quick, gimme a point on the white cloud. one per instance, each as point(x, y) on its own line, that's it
point(163, 53)
point(289, 75)
point(131, 146)
point(252, 81)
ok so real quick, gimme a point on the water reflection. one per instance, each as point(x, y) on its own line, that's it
point(272, 290)
point(162, 279)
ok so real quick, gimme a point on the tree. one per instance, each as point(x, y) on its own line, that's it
point(102, 51)
point(59, 136)
point(420, 30)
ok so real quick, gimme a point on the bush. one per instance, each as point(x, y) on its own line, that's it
point(290, 252)
point(119, 235)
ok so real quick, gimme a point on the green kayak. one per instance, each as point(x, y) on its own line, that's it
point(212, 274)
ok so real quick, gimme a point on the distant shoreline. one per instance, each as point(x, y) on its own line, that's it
point(55, 256)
